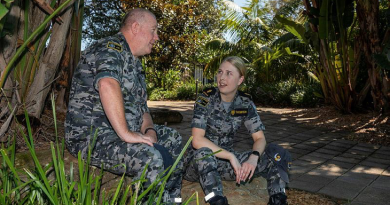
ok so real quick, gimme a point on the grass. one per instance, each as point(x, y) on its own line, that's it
point(54, 184)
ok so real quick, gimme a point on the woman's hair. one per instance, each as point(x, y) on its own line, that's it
point(238, 63)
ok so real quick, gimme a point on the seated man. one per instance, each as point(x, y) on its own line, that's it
point(108, 96)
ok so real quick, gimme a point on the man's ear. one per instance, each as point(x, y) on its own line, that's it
point(241, 80)
point(135, 27)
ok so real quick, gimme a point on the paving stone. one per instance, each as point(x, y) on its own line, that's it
point(315, 143)
point(379, 155)
point(382, 182)
point(341, 189)
point(332, 136)
point(345, 159)
point(305, 147)
point(343, 165)
point(347, 142)
point(315, 179)
point(356, 179)
point(360, 152)
point(299, 151)
point(355, 156)
point(337, 143)
point(363, 148)
point(313, 160)
point(307, 186)
point(291, 140)
point(378, 160)
point(367, 170)
point(369, 145)
point(372, 195)
point(386, 172)
point(302, 137)
point(321, 155)
point(295, 156)
point(328, 151)
point(373, 164)
point(331, 147)
point(329, 171)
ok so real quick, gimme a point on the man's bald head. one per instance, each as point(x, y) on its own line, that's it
point(135, 15)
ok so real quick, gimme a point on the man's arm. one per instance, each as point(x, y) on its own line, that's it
point(151, 134)
point(112, 101)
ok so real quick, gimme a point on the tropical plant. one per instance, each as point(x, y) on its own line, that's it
point(331, 37)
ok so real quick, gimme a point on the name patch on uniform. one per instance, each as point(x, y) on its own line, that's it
point(115, 46)
point(239, 112)
point(202, 101)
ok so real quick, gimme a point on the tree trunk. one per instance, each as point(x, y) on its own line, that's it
point(368, 15)
point(49, 64)
point(7, 49)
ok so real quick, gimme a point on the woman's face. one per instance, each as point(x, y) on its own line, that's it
point(228, 79)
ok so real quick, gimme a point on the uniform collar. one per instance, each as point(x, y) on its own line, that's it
point(235, 103)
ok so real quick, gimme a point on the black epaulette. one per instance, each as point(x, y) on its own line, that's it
point(209, 91)
point(245, 94)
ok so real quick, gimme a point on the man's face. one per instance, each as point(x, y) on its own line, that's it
point(147, 35)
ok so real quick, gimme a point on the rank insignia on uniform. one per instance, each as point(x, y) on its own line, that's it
point(114, 46)
point(209, 91)
point(239, 112)
point(202, 101)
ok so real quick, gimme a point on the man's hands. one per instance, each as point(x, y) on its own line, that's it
point(136, 137)
point(151, 135)
point(244, 171)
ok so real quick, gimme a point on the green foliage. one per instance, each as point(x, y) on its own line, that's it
point(287, 93)
point(186, 91)
point(52, 184)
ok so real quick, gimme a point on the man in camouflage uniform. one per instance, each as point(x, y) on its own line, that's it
point(108, 96)
point(220, 127)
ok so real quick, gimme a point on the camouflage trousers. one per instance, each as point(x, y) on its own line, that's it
point(113, 154)
point(211, 170)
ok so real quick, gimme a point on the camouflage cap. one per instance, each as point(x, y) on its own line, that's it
point(281, 158)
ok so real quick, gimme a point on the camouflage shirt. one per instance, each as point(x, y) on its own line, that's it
point(108, 58)
point(221, 125)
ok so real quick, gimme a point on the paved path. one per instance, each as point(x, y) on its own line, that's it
point(323, 162)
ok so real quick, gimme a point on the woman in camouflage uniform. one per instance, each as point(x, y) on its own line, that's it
point(218, 114)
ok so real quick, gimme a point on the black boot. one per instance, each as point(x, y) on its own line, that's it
point(218, 200)
point(278, 199)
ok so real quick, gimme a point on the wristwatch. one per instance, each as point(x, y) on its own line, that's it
point(256, 153)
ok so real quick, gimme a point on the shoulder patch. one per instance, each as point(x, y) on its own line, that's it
point(209, 91)
point(202, 101)
point(245, 94)
point(115, 46)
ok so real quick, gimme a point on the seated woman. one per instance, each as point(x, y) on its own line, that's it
point(218, 114)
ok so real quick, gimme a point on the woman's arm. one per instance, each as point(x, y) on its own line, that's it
point(248, 167)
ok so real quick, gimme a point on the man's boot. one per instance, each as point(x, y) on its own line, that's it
point(278, 199)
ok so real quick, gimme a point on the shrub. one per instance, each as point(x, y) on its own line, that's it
point(287, 93)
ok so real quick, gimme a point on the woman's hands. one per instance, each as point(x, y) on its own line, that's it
point(236, 167)
point(244, 171)
point(248, 168)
